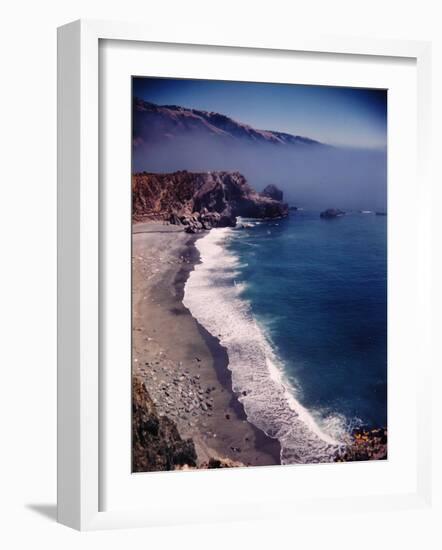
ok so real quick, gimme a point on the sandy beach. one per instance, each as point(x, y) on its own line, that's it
point(183, 367)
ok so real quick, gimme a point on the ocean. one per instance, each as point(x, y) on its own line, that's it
point(300, 304)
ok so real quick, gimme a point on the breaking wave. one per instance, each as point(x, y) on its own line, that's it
point(269, 398)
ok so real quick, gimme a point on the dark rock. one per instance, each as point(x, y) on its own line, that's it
point(365, 444)
point(273, 192)
point(159, 124)
point(381, 213)
point(332, 213)
point(156, 442)
point(174, 219)
point(214, 463)
point(223, 463)
point(191, 229)
point(200, 200)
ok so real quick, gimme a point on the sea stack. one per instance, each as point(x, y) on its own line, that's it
point(273, 192)
point(332, 213)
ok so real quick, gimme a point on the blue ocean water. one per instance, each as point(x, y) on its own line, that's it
point(300, 305)
point(319, 289)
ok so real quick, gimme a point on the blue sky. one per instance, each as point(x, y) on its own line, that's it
point(355, 117)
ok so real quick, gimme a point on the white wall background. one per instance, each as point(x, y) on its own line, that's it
point(28, 276)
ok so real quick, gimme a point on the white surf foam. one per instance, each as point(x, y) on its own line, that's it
point(269, 399)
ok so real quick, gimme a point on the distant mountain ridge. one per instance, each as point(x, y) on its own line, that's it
point(152, 123)
point(172, 138)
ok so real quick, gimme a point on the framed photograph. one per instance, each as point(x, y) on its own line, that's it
point(244, 276)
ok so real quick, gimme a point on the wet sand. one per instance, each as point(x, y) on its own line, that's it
point(184, 368)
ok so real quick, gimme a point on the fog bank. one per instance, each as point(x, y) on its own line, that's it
point(311, 176)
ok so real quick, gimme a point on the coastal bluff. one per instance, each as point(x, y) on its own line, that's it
point(157, 444)
point(200, 200)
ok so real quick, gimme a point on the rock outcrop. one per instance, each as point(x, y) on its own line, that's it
point(332, 213)
point(366, 444)
point(223, 463)
point(156, 443)
point(273, 192)
point(200, 200)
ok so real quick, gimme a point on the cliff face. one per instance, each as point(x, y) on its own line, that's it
point(273, 192)
point(210, 199)
point(156, 443)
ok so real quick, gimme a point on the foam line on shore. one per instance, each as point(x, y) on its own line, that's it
point(258, 378)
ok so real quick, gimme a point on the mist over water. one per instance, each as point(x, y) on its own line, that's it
point(300, 303)
point(312, 176)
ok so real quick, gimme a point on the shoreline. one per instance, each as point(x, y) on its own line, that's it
point(221, 361)
point(184, 367)
point(268, 399)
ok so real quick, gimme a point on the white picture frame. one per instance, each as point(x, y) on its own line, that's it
point(79, 265)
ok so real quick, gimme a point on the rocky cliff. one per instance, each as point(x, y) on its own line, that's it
point(156, 443)
point(155, 123)
point(200, 200)
point(273, 192)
